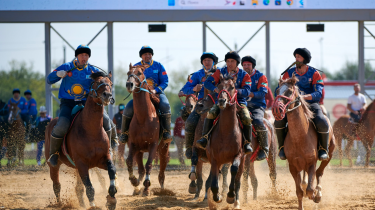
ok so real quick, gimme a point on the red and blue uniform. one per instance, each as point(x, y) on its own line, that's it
point(259, 85)
point(309, 83)
point(242, 84)
point(156, 75)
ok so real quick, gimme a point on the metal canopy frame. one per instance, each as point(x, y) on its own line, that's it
point(110, 16)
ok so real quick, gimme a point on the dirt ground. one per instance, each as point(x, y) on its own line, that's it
point(343, 188)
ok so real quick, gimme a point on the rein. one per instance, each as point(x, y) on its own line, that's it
point(232, 99)
point(140, 86)
point(112, 101)
point(187, 96)
point(279, 109)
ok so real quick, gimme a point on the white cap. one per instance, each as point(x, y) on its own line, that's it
point(42, 109)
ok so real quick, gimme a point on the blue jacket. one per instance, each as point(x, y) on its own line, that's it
point(32, 107)
point(22, 105)
point(195, 79)
point(259, 85)
point(156, 76)
point(309, 83)
point(76, 84)
point(242, 84)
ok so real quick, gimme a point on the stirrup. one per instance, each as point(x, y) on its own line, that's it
point(125, 133)
point(321, 148)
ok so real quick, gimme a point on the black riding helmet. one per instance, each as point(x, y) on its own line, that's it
point(250, 59)
point(305, 53)
point(233, 55)
point(209, 55)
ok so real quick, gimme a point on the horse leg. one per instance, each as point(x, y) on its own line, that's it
point(194, 163)
point(199, 179)
point(245, 178)
point(234, 169)
point(80, 190)
point(320, 171)
point(347, 151)
point(311, 177)
point(129, 163)
point(164, 159)
point(141, 173)
point(151, 155)
point(254, 180)
point(237, 182)
point(224, 173)
point(339, 144)
point(54, 174)
point(272, 164)
point(112, 190)
point(208, 182)
point(297, 179)
point(368, 144)
point(215, 182)
point(304, 182)
point(83, 171)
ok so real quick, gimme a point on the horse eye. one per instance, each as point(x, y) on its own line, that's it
point(139, 74)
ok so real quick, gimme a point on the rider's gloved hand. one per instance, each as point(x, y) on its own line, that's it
point(61, 74)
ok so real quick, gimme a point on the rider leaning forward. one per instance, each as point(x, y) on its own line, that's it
point(243, 88)
point(310, 85)
point(195, 85)
point(157, 78)
point(75, 85)
point(256, 103)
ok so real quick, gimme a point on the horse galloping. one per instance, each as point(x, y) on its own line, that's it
point(87, 143)
point(364, 130)
point(144, 131)
point(16, 135)
point(301, 141)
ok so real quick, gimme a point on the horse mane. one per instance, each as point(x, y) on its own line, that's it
point(306, 107)
point(96, 75)
point(368, 109)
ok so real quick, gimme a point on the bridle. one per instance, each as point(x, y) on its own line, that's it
point(112, 100)
point(13, 117)
point(187, 96)
point(232, 99)
point(279, 109)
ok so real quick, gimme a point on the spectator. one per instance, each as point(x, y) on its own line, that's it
point(179, 138)
point(117, 119)
point(356, 104)
point(32, 108)
point(38, 130)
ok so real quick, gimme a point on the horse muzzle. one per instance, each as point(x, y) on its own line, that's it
point(130, 86)
point(278, 110)
point(107, 98)
point(189, 108)
point(222, 103)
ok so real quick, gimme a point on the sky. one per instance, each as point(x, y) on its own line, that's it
point(181, 46)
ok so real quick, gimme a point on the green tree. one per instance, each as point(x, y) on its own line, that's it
point(350, 72)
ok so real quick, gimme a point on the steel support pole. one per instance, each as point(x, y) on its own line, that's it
point(361, 56)
point(268, 62)
point(47, 52)
point(110, 64)
point(204, 36)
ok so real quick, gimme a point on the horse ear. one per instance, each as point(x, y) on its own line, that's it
point(130, 66)
point(110, 75)
point(294, 79)
point(280, 80)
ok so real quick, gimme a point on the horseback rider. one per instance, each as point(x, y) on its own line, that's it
point(243, 87)
point(75, 86)
point(195, 85)
point(22, 104)
point(256, 103)
point(310, 85)
point(356, 104)
point(157, 78)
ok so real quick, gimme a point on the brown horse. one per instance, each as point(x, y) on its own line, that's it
point(87, 143)
point(190, 102)
point(225, 145)
point(301, 141)
point(199, 155)
point(271, 161)
point(364, 130)
point(16, 138)
point(144, 131)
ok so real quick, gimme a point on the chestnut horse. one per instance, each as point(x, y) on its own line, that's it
point(365, 130)
point(87, 143)
point(199, 155)
point(225, 145)
point(271, 161)
point(144, 131)
point(301, 141)
point(16, 135)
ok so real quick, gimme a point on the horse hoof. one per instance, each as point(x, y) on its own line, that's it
point(134, 181)
point(136, 191)
point(146, 193)
point(195, 198)
point(147, 183)
point(192, 188)
point(230, 200)
point(192, 176)
point(219, 199)
point(111, 200)
point(112, 191)
point(237, 205)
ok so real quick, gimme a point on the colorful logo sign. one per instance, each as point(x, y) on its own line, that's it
point(289, 2)
point(254, 2)
point(278, 2)
point(266, 2)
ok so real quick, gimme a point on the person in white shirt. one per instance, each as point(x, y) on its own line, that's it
point(356, 104)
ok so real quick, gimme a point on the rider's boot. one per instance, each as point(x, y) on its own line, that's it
point(323, 148)
point(189, 141)
point(202, 143)
point(281, 134)
point(55, 145)
point(247, 131)
point(184, 114)
point(112, 136)
point(124, 137)
point(165, 120)
point(263, 145)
